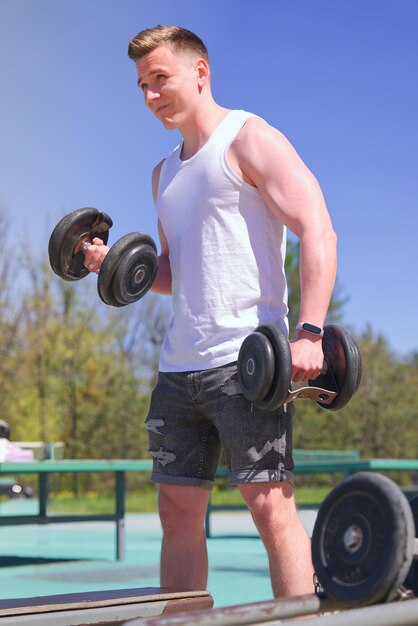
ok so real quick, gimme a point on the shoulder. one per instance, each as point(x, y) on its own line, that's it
point(260, 147)
point(264, 154)
point(257, 132)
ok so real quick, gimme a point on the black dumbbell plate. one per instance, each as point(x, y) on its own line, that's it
point(66, 255)
point(128, 270)
point(269, 352)
point(343, 372)
point(256, 364)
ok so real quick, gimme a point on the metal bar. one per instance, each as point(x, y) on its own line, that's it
point(273, 612)
point(120, 515)
point(391, 614)
point(246, 614)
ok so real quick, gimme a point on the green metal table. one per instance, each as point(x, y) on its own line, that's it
point(43, 469)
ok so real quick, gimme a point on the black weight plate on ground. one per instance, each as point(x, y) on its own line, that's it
point(344, 365)
point(256, 367)
point(363, 540)
point(69, 234)
point(282, 368)
point(411, 581)
point(128, 270)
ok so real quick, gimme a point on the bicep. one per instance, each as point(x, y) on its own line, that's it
point(288, 187)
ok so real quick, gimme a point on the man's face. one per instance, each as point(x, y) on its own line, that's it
point(170, 84)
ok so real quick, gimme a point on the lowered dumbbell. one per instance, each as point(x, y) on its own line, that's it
point(128, 269)
point(265, 369)
point(364, 549)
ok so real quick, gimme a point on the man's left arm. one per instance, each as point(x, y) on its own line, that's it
point(292, 193)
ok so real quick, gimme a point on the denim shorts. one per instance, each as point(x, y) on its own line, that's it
point(194, 415)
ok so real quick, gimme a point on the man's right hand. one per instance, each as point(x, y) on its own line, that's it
point(94, 255)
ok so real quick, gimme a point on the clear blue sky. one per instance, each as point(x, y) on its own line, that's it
point(339, 78)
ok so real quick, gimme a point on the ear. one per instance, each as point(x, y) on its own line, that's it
point(203, 73)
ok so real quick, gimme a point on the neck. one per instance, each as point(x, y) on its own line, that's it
point(197, 130)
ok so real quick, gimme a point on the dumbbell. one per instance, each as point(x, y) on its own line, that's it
point(364, 547)
point(128, 269)
point(265, 369)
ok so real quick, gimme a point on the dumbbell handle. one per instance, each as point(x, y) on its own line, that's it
point(325, 396)
point(82, 246)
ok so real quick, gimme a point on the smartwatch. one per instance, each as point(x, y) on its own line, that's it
point(310, 328)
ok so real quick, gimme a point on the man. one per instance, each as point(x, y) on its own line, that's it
point(224, 199)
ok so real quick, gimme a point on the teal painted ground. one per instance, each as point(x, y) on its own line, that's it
point(78, 557)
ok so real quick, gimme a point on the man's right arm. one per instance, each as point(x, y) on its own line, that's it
point(162, 282)
point(96, 253)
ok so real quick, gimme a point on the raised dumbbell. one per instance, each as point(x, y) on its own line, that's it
point(364, 549)
point(265, 369)
point(128, 269)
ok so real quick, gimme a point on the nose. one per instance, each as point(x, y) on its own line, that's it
point(151, 96)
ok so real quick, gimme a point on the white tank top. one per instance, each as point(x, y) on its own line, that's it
point(226, 251)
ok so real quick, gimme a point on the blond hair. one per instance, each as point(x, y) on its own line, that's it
point(179, 39)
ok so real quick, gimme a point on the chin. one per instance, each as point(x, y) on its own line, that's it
point(169, 124)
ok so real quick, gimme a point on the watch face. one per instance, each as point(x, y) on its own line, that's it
point(310, 328)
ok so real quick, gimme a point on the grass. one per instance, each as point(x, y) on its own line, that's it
point(144, 500)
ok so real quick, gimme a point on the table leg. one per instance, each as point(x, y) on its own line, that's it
point(120, 515)
point(43, 494)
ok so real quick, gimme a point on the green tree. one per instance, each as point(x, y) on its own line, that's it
point(77, 383)
point(140, 330)
point(381, 417)
point(11, 314)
